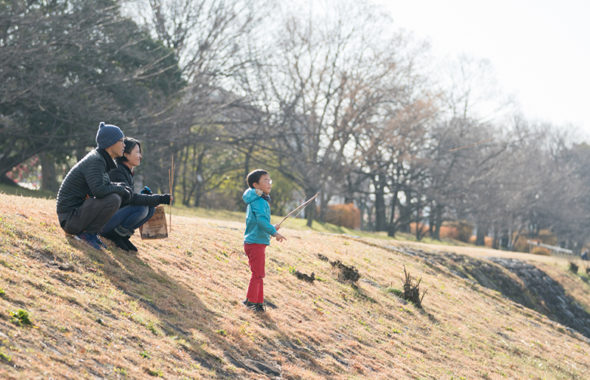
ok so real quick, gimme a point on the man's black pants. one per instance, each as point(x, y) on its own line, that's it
point(91, 216)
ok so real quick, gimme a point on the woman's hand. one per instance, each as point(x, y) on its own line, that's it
point(164, 199)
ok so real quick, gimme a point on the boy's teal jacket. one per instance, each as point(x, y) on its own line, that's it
point(258, 227)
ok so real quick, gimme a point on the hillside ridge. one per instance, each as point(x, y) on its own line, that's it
point(174, 309)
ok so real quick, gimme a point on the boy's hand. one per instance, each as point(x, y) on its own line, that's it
point(276, 226)
point(280, 237)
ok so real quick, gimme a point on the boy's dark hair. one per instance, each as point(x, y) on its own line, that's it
point(130, 143)
point(254, 176)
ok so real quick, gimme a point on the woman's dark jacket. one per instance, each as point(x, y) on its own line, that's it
point(124, 175)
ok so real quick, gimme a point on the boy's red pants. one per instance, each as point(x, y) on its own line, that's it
point(255, 253)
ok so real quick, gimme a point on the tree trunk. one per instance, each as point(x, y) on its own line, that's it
point(324, 208)
point(405, 214)
point(481, 234)
point(380, 218)
point(310, 210)
point(48, 174)
point(198, 195)
point(419, 234)
point(185, 179)
point(437, 221)
point(495, 242)
point(431, 221)
point(392, 222)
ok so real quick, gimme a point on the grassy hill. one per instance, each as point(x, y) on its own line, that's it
point(174, 309)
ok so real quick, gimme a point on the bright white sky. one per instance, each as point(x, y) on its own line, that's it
point(539, 49)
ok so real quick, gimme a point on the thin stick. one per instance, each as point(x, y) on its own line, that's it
point(170, 189)
point(299, 208)
point(171, 183)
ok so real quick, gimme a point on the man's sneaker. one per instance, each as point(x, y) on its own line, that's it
point(91, 239)
point(100, 242)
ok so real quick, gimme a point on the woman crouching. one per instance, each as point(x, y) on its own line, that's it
point(141, 206)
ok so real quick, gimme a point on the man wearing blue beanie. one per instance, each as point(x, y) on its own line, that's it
point(87, 198)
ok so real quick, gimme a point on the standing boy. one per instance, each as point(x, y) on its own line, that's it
point(87, 199)
point(258, 233)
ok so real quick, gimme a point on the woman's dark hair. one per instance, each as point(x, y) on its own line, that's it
point(254, 176)
point(130, 143)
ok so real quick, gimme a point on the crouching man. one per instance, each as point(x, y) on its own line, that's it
point(87, 198)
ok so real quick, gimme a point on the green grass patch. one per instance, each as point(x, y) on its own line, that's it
point(395, 291)
point(20, 318)
point(154, 372)
point(152, 327)
point(121, 371)
point(5, 357)
point(18, 190)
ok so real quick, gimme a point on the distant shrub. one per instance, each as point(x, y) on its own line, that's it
point(344, 215)
point(540, 251)
point(545, 236)
point(487, 241)
point(458, 229)
point(423, 228)
point(521, 244)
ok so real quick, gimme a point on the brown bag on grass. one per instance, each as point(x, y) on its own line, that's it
point(155, 227)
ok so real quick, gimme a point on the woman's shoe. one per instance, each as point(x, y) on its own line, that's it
point(117, 239)
point(130, 245)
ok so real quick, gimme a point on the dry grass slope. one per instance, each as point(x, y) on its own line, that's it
point(173, 310)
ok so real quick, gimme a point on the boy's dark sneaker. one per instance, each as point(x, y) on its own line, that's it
point(130, 245)
point(91, 239)
point(259, 308)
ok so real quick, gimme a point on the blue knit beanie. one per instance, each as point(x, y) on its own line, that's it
point(108, 135)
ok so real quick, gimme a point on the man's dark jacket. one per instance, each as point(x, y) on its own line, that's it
point(88, 178)
point(123, 174)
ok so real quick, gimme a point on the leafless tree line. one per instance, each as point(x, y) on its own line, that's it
point(330, 99)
